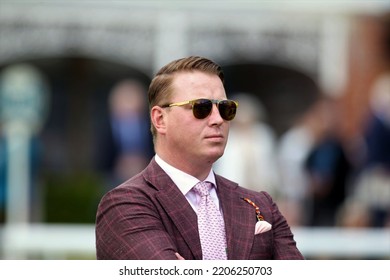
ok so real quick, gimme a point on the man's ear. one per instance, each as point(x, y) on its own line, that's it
point(157, 116)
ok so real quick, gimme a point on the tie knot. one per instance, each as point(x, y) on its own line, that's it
point(202, 188)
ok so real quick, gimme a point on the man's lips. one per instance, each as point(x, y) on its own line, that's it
point(214, 136)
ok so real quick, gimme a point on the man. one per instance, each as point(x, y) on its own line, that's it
point(166, 212)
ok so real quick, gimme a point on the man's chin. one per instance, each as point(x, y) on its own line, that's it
point(214, 156)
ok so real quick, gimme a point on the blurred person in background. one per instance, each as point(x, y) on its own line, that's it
point(125, 146)
point(249, 157)
point(327, 166)
point(372, 186)
point(369, 194)
point(293, 148)
point(160, 213)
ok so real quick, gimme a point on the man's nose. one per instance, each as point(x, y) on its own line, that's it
point(215, 116)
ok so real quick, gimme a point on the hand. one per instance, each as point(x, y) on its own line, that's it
point(179, 257)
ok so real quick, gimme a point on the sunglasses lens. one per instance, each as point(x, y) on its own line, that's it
point(202, 108)
point(227, 109)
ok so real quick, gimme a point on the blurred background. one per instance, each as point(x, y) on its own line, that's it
point(313, 125)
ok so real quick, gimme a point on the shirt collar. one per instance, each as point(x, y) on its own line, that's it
point(183, 181)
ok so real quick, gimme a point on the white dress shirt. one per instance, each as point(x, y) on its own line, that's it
point(186, 182)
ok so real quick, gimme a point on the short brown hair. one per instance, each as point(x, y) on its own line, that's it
point(160, 87)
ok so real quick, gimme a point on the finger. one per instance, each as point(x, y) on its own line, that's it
point(179, 257)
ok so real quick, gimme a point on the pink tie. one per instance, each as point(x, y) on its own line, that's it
point(210, 224)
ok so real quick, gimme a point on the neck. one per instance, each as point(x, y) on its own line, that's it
point(197, 170)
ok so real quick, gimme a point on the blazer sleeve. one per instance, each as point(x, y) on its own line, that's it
point(285, 247)
point(129, 227)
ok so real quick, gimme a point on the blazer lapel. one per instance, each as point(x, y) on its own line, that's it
point(237, 217)
point(177, 208)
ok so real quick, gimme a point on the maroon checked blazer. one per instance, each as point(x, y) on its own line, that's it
point(147, 217)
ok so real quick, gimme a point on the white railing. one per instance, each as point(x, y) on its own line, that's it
point(59, 241)
point(345, 243)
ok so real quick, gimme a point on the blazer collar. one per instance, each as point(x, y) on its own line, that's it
point(176, 206)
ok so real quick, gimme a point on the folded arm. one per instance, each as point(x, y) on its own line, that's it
point(285, 246)
point(129, 227)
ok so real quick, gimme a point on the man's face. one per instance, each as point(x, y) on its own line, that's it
point(197, 140)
